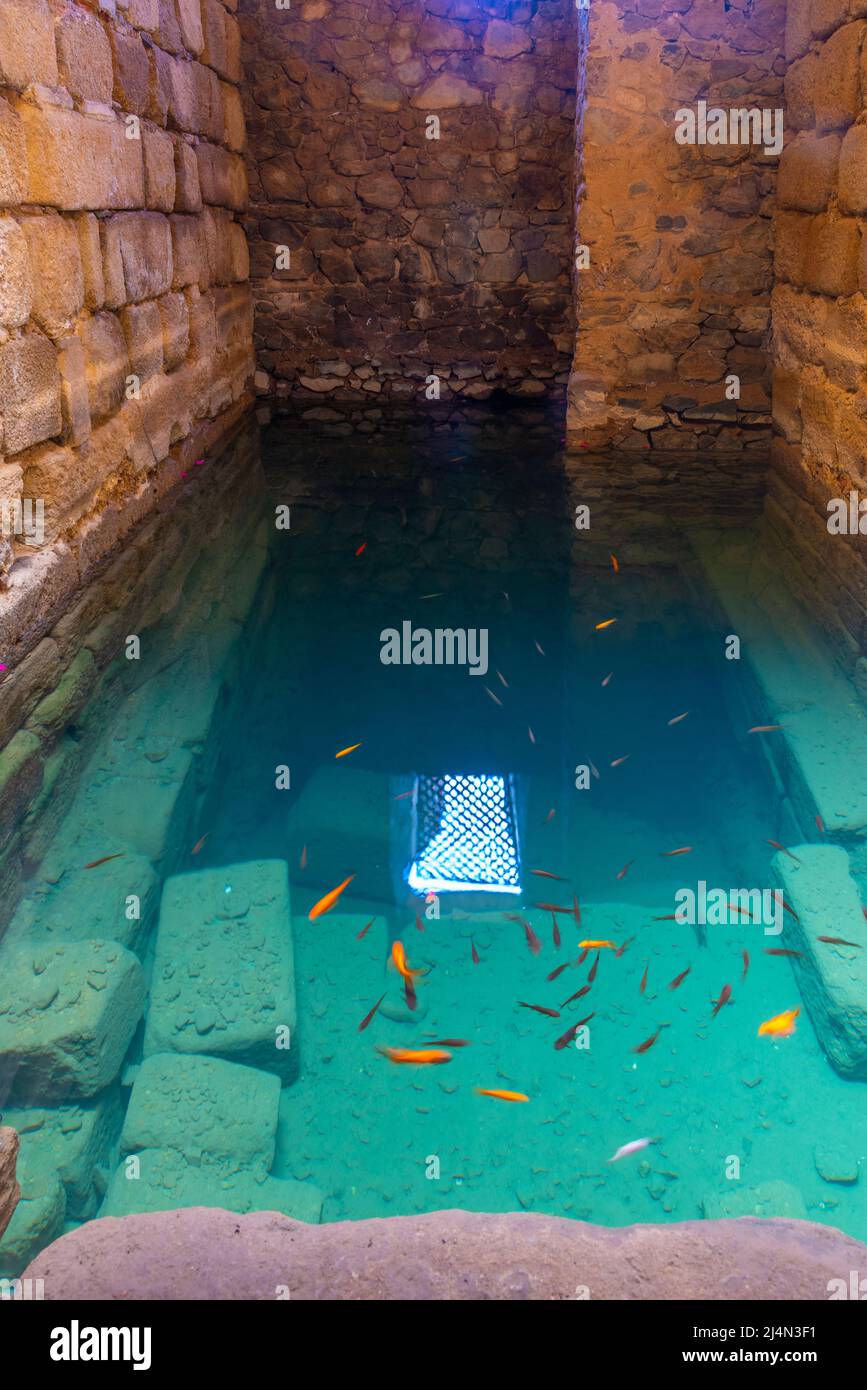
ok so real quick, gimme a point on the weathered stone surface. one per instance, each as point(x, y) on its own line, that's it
point(58, 288)
point(29, 392)
point(84, 56)
point(449, 1255)
point(16, 291)
point(106, 363)
point(27, 53)
point(9, 1188)
point(78, 161)
point(67, 1018)
point(222, 915)
point(13, 158)
point(168, 1181)
point(831, 979)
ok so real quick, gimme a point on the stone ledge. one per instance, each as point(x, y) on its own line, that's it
point(203, 1253)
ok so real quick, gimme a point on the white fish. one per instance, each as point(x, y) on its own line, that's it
point(633, 1148)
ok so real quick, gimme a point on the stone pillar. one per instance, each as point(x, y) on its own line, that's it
point(676, 295)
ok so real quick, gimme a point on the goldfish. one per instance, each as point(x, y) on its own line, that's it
point(609, 622)
point(558, 971)
point(724, 997)
point(614, 565)
point(417, 1056)
point(566, 1038)
point(746, 956)
point(607, 679)
point(595, 966)
point(820, 824)
point(596, 945)
point(764, 728)
point(302, 862)
point(502, 1095)
point(679, 979)
point(539, 1009)
point(539, 649)
point(543, 873)
point(200, 844)
point(533, 941)
point(620, 949)
point(410, 995)
point(401, 796)
point(838, 941)
point(325, 904)
point(677, 718)
point(672, 853)
point(648, 1042)
point(496, 699)
point(789, 909)
point(643, 986)
point(450, 1042)
point(502, 679)
point(476, 956)
point(550, 816)
point(351, 749)
point(555, 931)
point(532, 736)
point(618, 762)
point(633, 1147)
point(106, 858)
point(579, 994)
point(776, 845)
point(398, 956)
point(782, 951)
point(583, 956)
point(368, 1017)
point(365, 930)
point(780, 1026)
point(549, 907)
point(576, 910)
point(418, 923)
point(625, 870)
point(361, 548)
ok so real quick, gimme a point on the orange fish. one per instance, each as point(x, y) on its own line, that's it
point(539, 1009)
point(746, 956)
point(95, 863)
point(533, 941)
point(609, 622)
point(614, 565)
point(199, 845)
point(643, 986)
point(361, 548)
point(365, 930)
point(677, 718)
point(648, 1042)
point(398, 956)
point(724, 997)
point(672, 853)
point(596, 945)
point(502, 1095)
point(418, 1056)
point(543, 873)
point(679, 979)
point(776, 844)
point(368, 1017)
point(780, 1026)
point(559, 971)
point(325, 904)
point(838, 941)
point(351, 749)
point(476, 956)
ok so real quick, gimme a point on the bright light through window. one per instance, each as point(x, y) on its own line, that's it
point(466, 836)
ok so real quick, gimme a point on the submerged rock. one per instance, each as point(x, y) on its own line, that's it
point(9, 1189)
point(835, 1163)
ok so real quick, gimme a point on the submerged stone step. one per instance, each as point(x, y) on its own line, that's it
point(72, 903)
point(205, 1109)
point(832, 979)
point(166, 1180)
point(347, 818)
point(224, 972)
point(67, 1014)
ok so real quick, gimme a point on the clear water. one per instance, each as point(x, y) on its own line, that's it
point(269, 658)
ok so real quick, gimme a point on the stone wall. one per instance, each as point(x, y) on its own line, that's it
point(125, 323)
point(676, 295)
point(410, 256)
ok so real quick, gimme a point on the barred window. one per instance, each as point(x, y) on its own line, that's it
point(465, 835)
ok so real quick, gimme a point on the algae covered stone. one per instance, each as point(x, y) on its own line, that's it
point(67, 1014)
point(204, 1108)
point(162, 1180)
point(224, 973)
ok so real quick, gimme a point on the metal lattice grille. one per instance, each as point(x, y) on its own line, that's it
point(466, 836)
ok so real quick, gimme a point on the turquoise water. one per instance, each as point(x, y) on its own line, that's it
point(262, 661)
